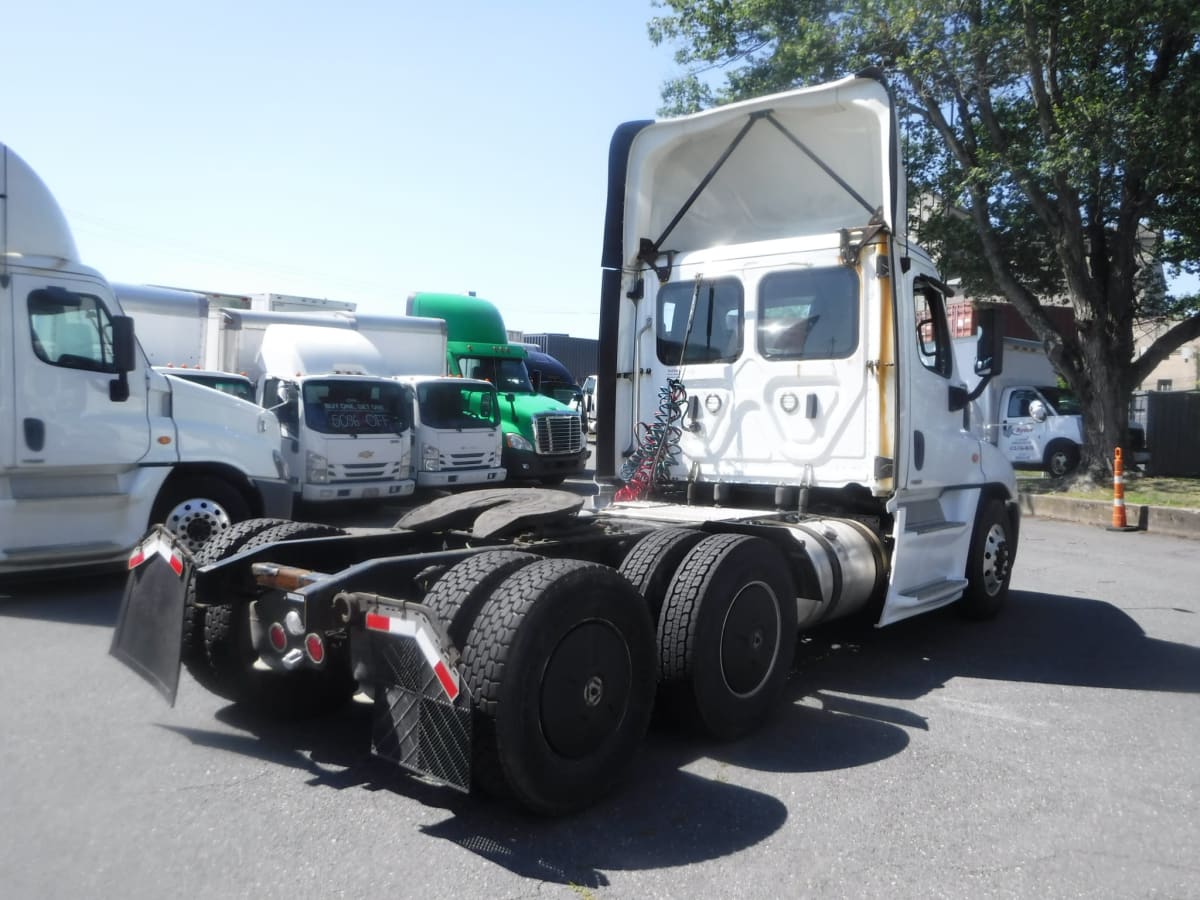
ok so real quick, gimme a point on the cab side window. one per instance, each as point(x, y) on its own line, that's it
point(933, 334)
point(1018, 404)
point(72, 331)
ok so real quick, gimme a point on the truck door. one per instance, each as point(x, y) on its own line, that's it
point(69, 420)
point(936, 450)
point(1020, 440)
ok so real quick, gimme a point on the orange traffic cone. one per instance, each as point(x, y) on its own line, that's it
point(1119, 522)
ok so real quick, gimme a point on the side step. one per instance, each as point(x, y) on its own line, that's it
point(927, 563)
point(923, 598)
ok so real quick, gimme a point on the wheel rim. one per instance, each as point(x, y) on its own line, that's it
point(750, 639)
point(995, 560)
point(196, 520)
point(586, 686)
point(1058, 463)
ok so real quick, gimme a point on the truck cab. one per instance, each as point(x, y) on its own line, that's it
point(347, 433)
point(96, 444)
point(772, 341)
point(456, 431)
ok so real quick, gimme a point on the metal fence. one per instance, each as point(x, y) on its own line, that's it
point(1172, 423)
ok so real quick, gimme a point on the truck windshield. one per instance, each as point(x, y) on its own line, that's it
point(355, 407)
point(508, 375)
point(448, 405)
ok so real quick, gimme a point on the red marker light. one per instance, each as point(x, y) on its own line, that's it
point(314, 647)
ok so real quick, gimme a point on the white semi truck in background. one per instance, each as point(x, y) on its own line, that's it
point(780, 442)
point(94, 443)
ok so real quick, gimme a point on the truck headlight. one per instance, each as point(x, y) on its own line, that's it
point(316, 468)
point(514, 441)
point(430, 459)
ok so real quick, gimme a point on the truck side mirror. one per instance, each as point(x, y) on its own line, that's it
point(1037, 410)
point(989, 351)
point(288, 392)
point(124, 350)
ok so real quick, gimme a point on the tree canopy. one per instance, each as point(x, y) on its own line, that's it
point(1053, 146)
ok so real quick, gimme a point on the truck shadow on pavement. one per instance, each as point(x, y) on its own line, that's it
point(688, 799)
point(93, 599)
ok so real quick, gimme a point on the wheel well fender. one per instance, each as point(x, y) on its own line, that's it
point(235, 478)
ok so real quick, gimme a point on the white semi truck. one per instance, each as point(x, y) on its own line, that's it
point(94, 443)
point(781, 442)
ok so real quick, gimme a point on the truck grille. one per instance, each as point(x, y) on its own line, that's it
point(351, 472)
point(480, 459)
point(557, 433)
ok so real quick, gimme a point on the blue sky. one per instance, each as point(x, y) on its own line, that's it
point(357, 151)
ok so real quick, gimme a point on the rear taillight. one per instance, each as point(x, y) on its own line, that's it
point(278, 637)
point(314, 647)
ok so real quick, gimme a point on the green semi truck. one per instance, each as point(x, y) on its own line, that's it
point(543, 439)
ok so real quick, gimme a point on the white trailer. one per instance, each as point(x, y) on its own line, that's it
point(293, 303)
point(94, 443)
point(171, 323)
point(775, 371)
point(410, 345)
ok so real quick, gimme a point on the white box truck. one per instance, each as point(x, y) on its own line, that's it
point(94, 443)
point(347, 427)
point(1035, 423)
point(188, 337)
point(1026, 412)
point(776, 361)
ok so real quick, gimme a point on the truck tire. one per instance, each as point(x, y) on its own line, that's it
point(652, 561)
point(560, 662)
point(226, 544)
point(989, 565)
point(230, 653)
point(726, 635)
point(460, 593)
point(1061, 459)
point(198, 508)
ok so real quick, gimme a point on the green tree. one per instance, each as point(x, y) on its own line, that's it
point(1055, 145)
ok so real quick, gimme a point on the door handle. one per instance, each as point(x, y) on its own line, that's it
point(35, 434)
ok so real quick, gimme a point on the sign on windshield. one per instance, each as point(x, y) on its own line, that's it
point(349, 407)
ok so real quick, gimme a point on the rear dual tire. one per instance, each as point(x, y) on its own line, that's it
point(726, 635)
point(560, 665)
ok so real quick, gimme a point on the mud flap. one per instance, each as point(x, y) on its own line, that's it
point(417, 722)
point(149, 633)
